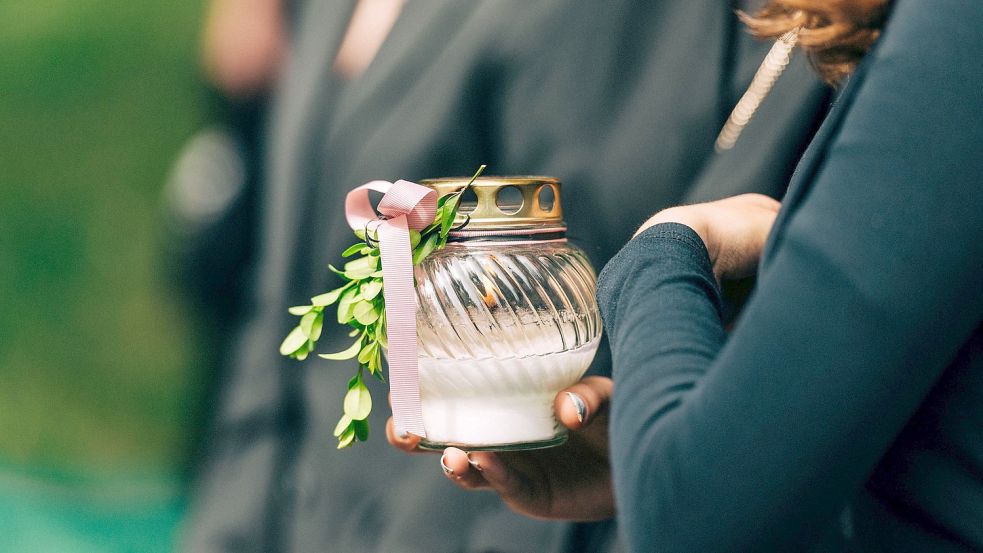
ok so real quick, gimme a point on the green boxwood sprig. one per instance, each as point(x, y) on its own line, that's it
point(362, 307)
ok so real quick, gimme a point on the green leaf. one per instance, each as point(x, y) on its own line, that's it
point(443, 200)
point(370, 289)
point(349, 353)
point(316, 328)
point(375, 362)
point(364, 261)
point(348, 297)
point(338, 272)
point(366, 312)
point(343, 423)
point(299, 309)
point(445, 227)
point(354, 333)
point(367, 352)
point(414, 238)
point(360, 234)
point(293, 342)
point(361, 430)
point(353, 249)
point(306, 322)
point(358, 401)
point(447, 214)
point(380, 332)
point(431, 227)
point(425, 249)
point(301, 353)
point(346, 438)
point(361, 268)
point(329, 298)
point(450, 206)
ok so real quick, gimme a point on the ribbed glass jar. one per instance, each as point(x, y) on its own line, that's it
point(506, 318)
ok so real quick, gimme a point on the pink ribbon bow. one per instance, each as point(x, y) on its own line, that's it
point(405, 206)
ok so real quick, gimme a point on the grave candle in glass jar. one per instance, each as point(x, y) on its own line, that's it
point(506, 318)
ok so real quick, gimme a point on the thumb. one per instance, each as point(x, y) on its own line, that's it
point(583, 402)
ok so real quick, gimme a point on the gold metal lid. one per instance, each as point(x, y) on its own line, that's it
point(496, 205)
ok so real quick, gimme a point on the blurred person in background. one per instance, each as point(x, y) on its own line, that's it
point(210, 199)
point(622, 101)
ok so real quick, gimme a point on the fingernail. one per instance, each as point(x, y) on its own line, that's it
point(475, 464)
point(447, 470)
point(579, 405)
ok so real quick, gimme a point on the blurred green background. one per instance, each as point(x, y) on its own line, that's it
point(100, 370)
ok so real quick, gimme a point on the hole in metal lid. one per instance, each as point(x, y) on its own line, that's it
point(509, 200)
point(547, 198)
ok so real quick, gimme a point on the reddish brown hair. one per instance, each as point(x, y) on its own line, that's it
point(835, 33)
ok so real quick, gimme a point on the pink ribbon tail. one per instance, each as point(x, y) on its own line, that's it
point(406, 206)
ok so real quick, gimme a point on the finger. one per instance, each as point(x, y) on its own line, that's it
point(581, 403)
point(407, 443)
point(496, 473)
point(460, 469)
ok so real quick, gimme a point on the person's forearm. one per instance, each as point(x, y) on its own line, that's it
point(659, 291)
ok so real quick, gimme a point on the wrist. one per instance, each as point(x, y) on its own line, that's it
point(689, 217)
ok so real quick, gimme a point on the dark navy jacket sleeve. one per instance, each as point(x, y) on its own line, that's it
point(871, 284)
